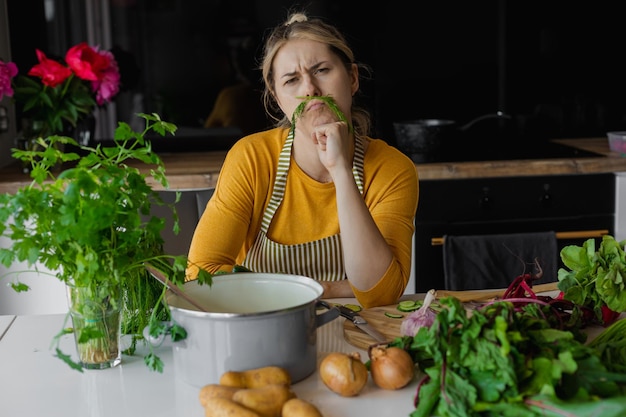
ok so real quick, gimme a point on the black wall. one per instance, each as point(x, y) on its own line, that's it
point(550, 64)
point(553, 65)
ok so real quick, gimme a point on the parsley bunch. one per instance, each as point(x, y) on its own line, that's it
point(92, 224)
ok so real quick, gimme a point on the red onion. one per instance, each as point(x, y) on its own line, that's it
point(422, 317)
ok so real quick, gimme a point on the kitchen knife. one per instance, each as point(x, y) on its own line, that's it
point(361, 323)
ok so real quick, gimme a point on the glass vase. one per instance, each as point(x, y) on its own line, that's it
point(96, 318)
point(27, 140)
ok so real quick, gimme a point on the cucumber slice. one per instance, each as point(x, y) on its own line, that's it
point(354, 307)
point(408, 306)
point(393, 315)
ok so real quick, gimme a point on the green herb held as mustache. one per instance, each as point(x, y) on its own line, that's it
point(329, 102)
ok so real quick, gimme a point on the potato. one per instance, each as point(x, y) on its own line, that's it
point(216, 390)
point(267, 401)
point(256, 378)
point(296, 407)
point(223, 407)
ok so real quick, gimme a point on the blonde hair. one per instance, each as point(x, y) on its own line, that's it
point(299, 26)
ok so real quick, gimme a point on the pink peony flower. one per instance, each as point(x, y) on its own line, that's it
point(108, 84)
point(87, 63)
point(50, 71)
point(7, 72)
point(57, 95)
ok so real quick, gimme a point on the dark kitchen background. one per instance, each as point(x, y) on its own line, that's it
point(554, 66)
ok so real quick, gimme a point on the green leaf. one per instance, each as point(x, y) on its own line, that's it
point(330, 102)
point(595, 278)
point(177, 333)
point(553, 407)
point(153, 362)
point(68, 360)
point(19, 286)
point(89, 333)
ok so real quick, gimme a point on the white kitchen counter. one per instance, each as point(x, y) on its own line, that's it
point(5, 323)
point(35, 383)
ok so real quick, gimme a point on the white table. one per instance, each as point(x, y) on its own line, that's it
point(5, 323)
point(34, 383)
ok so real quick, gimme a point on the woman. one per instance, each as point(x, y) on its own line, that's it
point(284, 195)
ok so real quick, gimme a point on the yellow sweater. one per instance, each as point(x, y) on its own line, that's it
point(232, 219)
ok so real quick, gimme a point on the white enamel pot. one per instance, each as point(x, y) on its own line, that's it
point(253, 320)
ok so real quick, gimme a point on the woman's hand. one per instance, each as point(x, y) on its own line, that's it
point(334, 146)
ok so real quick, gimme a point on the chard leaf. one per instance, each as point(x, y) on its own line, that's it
point(595, 278)
point(500, 358)
point(553, 407)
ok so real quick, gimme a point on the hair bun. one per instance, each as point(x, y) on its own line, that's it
point(296, 18)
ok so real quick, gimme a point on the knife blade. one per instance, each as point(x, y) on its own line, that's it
point(361, 323)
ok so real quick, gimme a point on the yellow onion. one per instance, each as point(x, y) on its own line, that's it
point(391, 367)
point(344, 373)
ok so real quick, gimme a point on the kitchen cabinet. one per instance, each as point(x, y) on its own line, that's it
point(584, 203)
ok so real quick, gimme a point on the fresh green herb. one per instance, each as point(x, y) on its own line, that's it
point(91, 223)
point(611, 345)
point(595, 278)
point(504, 361)
point(153, 362)
point(330, 102)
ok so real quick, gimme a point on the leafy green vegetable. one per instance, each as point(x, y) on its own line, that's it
point(596, 278)
point(504, 361)
point(611, 346)
point(330, 102)
point(91, 223)
point(551, 407)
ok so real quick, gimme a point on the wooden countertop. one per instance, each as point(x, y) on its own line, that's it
point(607, 162)
point(200, 169)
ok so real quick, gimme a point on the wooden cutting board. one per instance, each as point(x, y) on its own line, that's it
point(390, 327)
point(377, 319)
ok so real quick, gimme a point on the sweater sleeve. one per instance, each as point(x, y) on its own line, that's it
point(391, 194)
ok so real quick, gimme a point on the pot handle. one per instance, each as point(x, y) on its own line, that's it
point(156, 341)
point(326, 317)
point(496, 115)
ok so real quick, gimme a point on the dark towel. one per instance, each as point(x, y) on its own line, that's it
point(494, 261)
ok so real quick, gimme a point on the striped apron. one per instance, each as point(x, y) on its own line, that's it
point(320, 259)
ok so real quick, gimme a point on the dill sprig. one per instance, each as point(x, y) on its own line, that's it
point(330, 102)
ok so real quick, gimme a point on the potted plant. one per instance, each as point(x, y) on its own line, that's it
point(91, 224)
